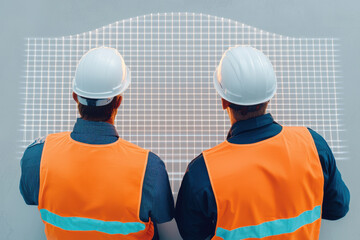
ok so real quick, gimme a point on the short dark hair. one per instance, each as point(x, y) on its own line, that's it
point(241, 112)
point(98, 113)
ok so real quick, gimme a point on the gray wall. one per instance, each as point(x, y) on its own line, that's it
point(41, 18)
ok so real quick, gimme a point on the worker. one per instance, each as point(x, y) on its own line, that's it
point(90, 183)
point(265, 181)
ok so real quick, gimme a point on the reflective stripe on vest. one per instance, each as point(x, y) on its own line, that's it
point(87, 224)
point(272, 228)
point(92, 191)
point(269, 189)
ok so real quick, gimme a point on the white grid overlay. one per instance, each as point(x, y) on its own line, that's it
point(171, 106)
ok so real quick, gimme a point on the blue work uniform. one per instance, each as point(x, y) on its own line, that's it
point(157, 200)
point(196, 209)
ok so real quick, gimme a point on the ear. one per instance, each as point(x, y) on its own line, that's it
point(225, 104)
point(267, 104)
point(75, 97)
point(119, 100)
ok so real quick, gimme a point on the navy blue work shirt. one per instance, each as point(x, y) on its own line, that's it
point(157, 200)
point(196, 211)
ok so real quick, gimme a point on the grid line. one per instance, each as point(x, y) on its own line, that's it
point(171, 106)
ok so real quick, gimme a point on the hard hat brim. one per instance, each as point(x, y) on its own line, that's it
point(103, 95)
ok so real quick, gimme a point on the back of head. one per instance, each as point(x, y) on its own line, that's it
point(101, 76)
point(245, 78)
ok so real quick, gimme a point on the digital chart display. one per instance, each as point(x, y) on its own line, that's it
point(171, 106)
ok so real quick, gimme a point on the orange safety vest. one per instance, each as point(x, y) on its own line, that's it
point(92, 192)
point(272, 189)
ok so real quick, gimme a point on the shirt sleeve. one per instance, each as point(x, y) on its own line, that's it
point(30, 172)
point(336, 194)
point(157, 201)
point(195, 212)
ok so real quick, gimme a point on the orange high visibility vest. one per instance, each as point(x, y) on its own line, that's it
point(92, 192)
point(271, 189)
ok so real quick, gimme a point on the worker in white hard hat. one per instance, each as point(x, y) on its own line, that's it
point(90, 183)
point(265, 181)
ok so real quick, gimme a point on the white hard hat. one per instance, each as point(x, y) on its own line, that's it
point(245, 76)
point(100, 75)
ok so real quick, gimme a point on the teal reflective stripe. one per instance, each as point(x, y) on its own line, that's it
point(276, 227)
point(87, 224)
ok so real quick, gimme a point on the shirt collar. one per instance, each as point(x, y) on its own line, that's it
point(94, 128)
point(250, 124)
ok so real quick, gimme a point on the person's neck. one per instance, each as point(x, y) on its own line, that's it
point(111, 120)
point(233, 120)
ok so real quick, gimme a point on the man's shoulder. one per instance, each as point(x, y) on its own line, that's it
point(40, 141)
point(34, 150)
point(30, 170)
point(316, 136)
point(197, 164)
point(197, 176)
point(32, 154)
point(313, 133)
point(132, 146)
point(37, 142)
point(155, 163)
point(319, 140)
